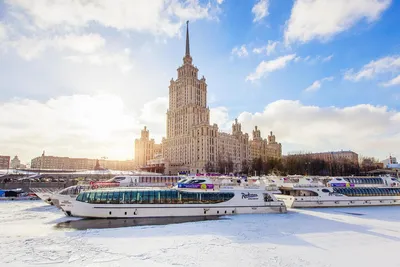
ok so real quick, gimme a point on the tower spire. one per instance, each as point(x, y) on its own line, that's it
point(187, 40)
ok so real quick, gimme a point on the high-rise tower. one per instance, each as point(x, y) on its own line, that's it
point(187, 113)
point(187, 98)
point(192, 144)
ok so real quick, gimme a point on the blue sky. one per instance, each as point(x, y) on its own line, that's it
point(81, 80)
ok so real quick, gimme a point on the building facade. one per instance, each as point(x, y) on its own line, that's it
point(349, 156)
point(65, 163)
point(145, 148)
point(15, 163)
point(191, 142)
point(4, 162)
point(390, 163)
point(264, 148)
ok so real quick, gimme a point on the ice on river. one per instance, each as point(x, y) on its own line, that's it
point(312, 237)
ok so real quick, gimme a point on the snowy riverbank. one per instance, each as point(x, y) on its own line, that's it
point(313, 237)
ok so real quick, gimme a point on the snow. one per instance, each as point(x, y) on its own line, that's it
point(35, 234)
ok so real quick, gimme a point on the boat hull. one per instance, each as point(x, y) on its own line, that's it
point(19, 198)
point(45, 194)
point(148, 211)
point(314, 202)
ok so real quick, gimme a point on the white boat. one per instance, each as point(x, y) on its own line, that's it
point(64, 196)
point(16, 194)
point(45, 193)
point(307, 192)
point(196, 197)
point(55, 196)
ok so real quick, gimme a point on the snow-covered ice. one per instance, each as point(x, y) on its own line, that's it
point(310, 237)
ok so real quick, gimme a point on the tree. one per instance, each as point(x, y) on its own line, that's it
point(257, 165)
point(369, 164)
point(221, 165)
point(229, 165)
point(209, 167)
point(245, 167)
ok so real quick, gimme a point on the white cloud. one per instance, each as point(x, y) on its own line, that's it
point(3, 32)
point(389, 64)
point(268, 49)
point(152, 110)
point(240, 51)
point(328, 58)
point(393, 82)
point(314, 59)
point(220, 1)
point(260, 10)
point(220, 116)
point(322, 19)
point(269, 66)
point(121, 60)
point(312, 128)
point(30, 48)
point(78, 125)
point(315, 86)
point(159, 17)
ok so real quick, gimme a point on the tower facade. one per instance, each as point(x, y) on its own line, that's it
point(191, 140)
point(144, 148)
point(264, 148)
point(191, 144)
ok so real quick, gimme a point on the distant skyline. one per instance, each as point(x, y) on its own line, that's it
point(80, 79)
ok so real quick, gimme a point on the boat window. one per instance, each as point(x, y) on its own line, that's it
point(133, 199)
point(267, 198)
point(161, 197)
point(142, 197)
point(79, 197)
point(151, 197)
point(117, 179)
point(84, 197)
point(196, 181)
point(155, 197)
point(109, 197)
point(103, 199)
point(127, 197)
point(325, 190)
point(115, 198)
point(121, 198)
point(90, 197)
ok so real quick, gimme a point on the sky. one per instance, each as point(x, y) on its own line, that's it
point(81, 78)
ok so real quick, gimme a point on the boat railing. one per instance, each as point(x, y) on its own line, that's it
point(307, 185)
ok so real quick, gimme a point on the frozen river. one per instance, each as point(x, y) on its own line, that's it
point(33, 234)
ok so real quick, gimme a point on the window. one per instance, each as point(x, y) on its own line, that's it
point(103, 199)
point(267, 198)
point(97, 198)
point(115, 198)
point(109, 197)
point(79, 197)
point(91, 197)
point(155, 197)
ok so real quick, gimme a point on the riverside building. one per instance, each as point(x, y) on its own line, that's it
point(192, 142)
